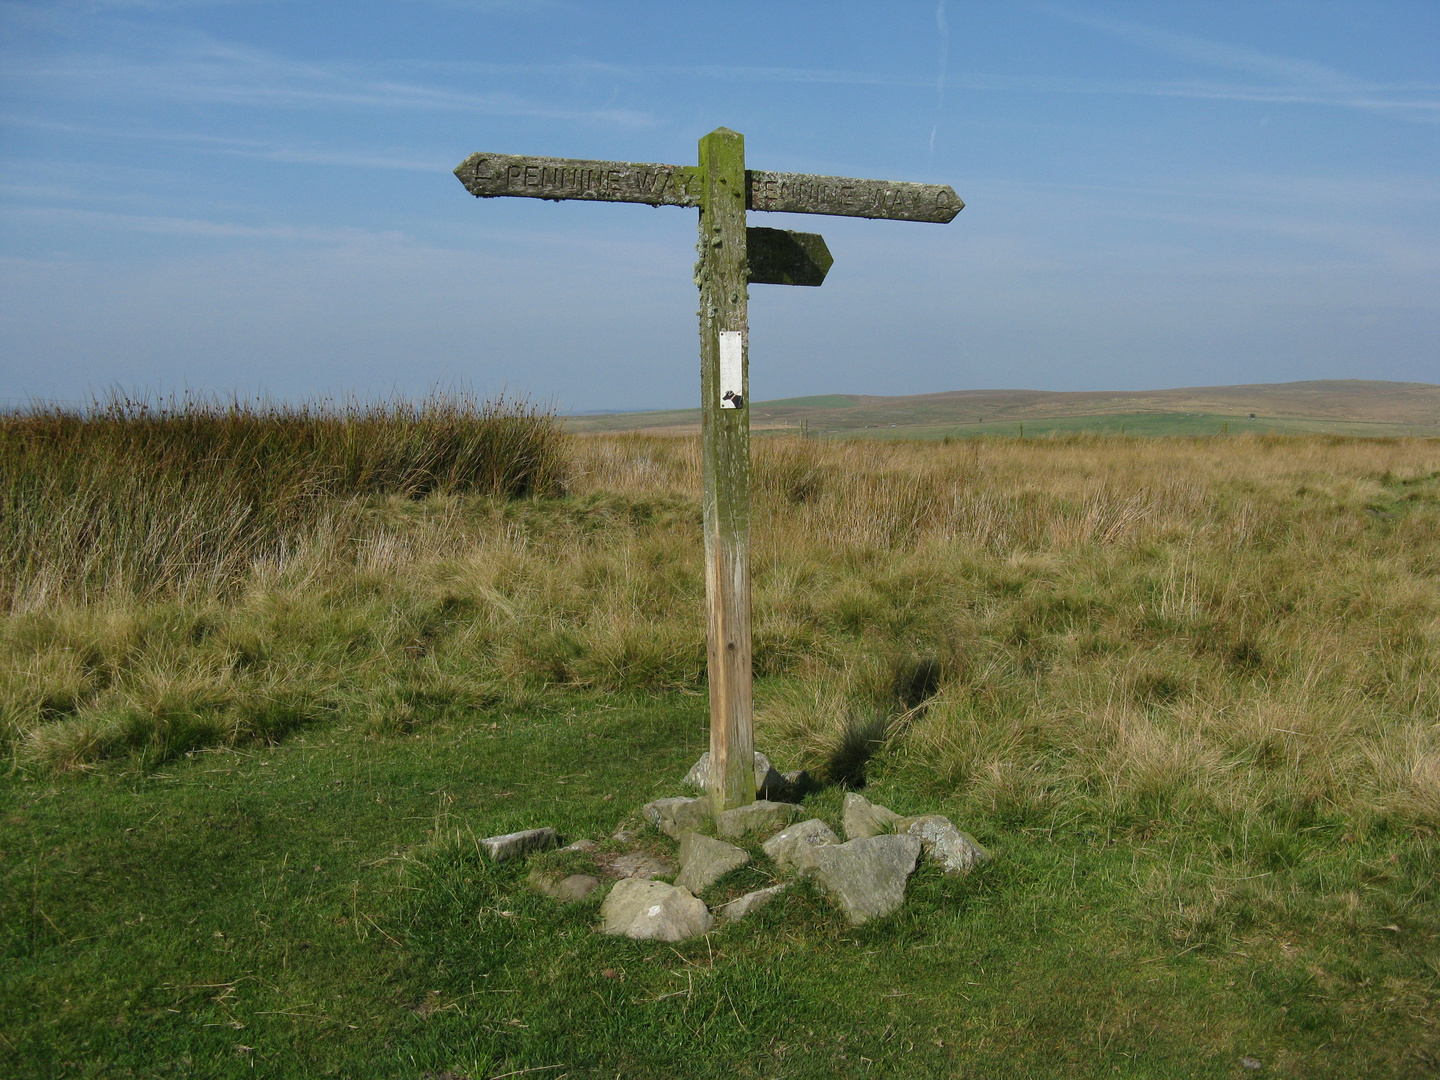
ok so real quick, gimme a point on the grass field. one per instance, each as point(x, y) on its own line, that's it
point(1185, 689)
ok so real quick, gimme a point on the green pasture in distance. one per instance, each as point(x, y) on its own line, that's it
point(1188, 425)
point(819, 401)
point(319, 908)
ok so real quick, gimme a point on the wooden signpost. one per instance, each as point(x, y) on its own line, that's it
point(732, 257)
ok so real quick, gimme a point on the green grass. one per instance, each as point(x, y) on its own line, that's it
point(1185, 689)
point(319, 908)
point(821, 401)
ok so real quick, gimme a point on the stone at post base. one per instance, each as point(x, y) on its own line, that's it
point(654, 911)
point(946, 846)
point(738, 908)
point(769, 784)
point(704, 861)
point(760, 816)
point(782, 847)
point(675, 816)
point(513, 845)
point(862, 818)
point(865, 876)
point(634, 864)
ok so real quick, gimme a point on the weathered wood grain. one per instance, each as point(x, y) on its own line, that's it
point(799, 193)
point(721, 273)
point(489, 176)
point(785, 257)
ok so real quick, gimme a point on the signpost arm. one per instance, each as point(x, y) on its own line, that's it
point(722, 273)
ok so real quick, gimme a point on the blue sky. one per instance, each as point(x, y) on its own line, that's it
point(257, 197)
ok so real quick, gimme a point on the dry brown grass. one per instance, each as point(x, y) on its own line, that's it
point(1128, 630)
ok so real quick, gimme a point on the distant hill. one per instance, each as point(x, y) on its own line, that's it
point(1336, 406)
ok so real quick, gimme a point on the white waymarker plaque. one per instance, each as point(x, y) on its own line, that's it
point(732, 385)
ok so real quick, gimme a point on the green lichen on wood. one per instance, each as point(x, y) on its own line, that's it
point(722, 274)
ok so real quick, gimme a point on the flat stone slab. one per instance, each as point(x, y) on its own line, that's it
point(760, 816)
point(738, 908)
point(769, 783)
point(513, 845)
point(704, 861)
point(866, 876)
point(782, 847)
point(634, 864)
point(653, 911)
point(862, 818)
point(676, 816)
point(946, 846)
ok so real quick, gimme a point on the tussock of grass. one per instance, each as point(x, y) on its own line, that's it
point(138, 499)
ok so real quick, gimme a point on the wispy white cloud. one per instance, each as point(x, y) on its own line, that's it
point(199, 228)
point(1201, 50)
point(1418, 101)
point(196, 68)
point(236, 147)
point(1415, 101)
point(1285, 79)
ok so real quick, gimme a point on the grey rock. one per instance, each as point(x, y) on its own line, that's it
point(576, 887)
point(769, 784)
point(862, 818)
point(513, 845)
point(567, 889)
point(953, 851)
point(636, 864)
point(704, 861)
point(624, 835)
point(653, 911)
point(581, 845)
point(675, 816)
point(760, 816)
point(783, 847)
point(866, 876)
point(738, 908)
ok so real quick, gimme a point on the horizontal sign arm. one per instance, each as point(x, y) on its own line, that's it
point(797, 193)
point(489, 175)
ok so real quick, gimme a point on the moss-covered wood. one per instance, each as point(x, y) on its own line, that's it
point(491, 175)
point(800, 193)
point(722, 273)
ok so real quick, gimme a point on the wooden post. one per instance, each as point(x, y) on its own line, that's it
point(723, 190)
point(722, 275)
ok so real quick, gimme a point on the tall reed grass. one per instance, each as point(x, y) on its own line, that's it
point(144, 499)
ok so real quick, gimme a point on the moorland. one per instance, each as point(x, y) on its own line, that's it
point(266, 673)
point(1317, 407)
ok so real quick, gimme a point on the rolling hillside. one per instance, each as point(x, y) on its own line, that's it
point(1342, 407)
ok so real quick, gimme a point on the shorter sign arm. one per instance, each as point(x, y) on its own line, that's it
point(898, 200)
